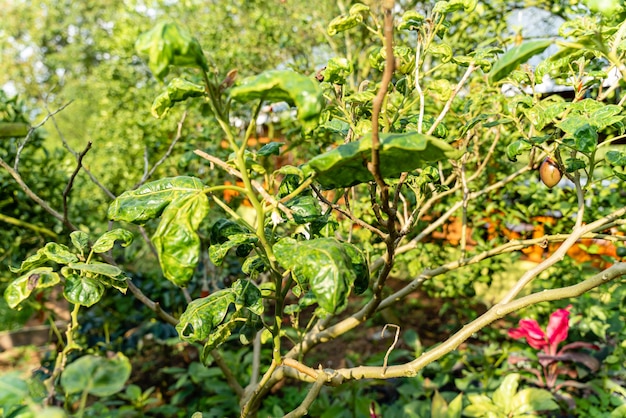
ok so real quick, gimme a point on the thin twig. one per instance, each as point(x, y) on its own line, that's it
point(149, 174)
point(233, 171)
point(70, 183)
point(391, 347)
point(31, 130)
point(45, 206)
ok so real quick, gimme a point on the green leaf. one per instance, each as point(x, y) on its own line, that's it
point(481, 406)
point(337, 70)
point(248, 296)
point(346, 165)
point(168, 44)
point(107, 240)
point(455, 407)
point(149, 200)
point(176, 239)
point(217, 252)
point(411, 20)
point(178, 90)
point(96, 375)
point(506, 391)
point(284, 85)
point(345, 22)
point(438, 406)
point(325, 264)
point(80, 240)
point(515, 56)
point(516, 148)
point(97, 268)
point(532, 400)
point(616, 158)
point(586, 139)
point(52, 251)
point(202, 316)
point(252, 265)
point(273, 148)
point(20, 289)
point(305, 209)
point(81, 290)
point(574, 164)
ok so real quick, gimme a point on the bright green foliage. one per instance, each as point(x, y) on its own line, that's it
point(284, 85)
point(149, 200)
point(168, 44)
point(209, 318)
point(176, 239)
point(108, 239)
point(96, 375)
point(516, 56)
point(508, 401)
point(346, 165)
point(326, 266)
point(178, 90)
point(21, 288)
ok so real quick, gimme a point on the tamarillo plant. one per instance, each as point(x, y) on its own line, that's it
point(391, 144)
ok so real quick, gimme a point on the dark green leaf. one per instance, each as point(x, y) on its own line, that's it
point(284, 85)
point(169, 44)
point(202, 316)
point(149, 200)
point(96, 375)
point(176, 238)
point(80, 240)
point(325, 264)
point(20, 289)
point(82, 290)
point(96, 268)
point(515, 56)
point(616, 158)
point(252, 265)
point(346, 165)
point(107, 240)
point(248, 296)
point(217, 252)
point(574, 164)
point(273, 148)
point(586, 139)
point(305, 209)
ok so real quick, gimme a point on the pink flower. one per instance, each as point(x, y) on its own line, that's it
point(548, 341)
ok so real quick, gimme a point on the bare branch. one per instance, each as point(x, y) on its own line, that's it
point(31, 130)
point(148, 174)
point(70, 183)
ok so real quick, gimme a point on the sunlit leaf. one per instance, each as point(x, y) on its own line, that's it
point(202, 316)
point(325, 264)
point(80, 240)
point(287, 86)
point(515, 56)
point(532, 400)
point(82, 290)
point(346, 165)
point(150, 199)
point(98, 376)
point(248, 296)
point(178, 90)
point(96, 268)
point(176, 239)
point(107, 240)
point(304, 208)
point(168, 44)
point(337, 70)
point(57, 253)
point(20, 289)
